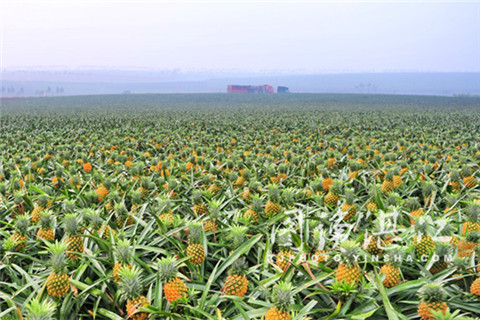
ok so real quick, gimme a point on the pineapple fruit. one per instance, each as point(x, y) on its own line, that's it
point(432, 298)
point(74, 240)
point(131, 286)
point(195, 249)
point(273, 206)
point(58, 282)
point(46, 227)
point(173, 287)
point(348, 270)
point(282, 299)
point(123, 254)
point(19, 237)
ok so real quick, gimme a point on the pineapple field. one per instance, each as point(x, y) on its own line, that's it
point(217, 206)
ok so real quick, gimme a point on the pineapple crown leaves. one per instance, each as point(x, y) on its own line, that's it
point(21, 224)
point(443, 249)
point(466, 172)
point(455, 176)
point(167, 269)
point(473, 236)
point(394, 256)
point(195, 233)
point(69, 206)
point(237, 236)
point(46, 220)
point(423, 225)
point(318, 239)
point(257, 203)
point(57, 256)
point(432, 292)
point(131, 284)
point(42, 201)
point(427, 188)
point(123, 252)
point(392, 199)
point(451, 200)
point(350, 252)
point(121, 211)
point(284, 238)
point(349, 196)
point(412, 204)
point(18, 197)
point(389, 176)
point(336, 187)
point(197, 196)
point(288, 196)
point(274, 193)
point(282, 296)
point(238, 267)
point(164, 204)
point(374, 191)
point(215, 206)
point(71, 224)
point(473, 211)
point(94, 218)
point(40, 310)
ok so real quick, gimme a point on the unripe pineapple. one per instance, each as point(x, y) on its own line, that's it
point(282, 299)
point(475, 287)
point(199, 207)
point(46, 227)
point(195, 249)
point(432, 298)
point(332, 197)
point(273, 206)
point(74, 240)
point(391, 269)
point(236, 283)
point(349, 270)
point(387, 184)
point(285, 254)
point(42, 204)
point(123, 253)
point(349, 207)
point(19, 237)
point(40, 310)
point(131, 287)
point(442, 251)
point(174, 288)
point(58, 282)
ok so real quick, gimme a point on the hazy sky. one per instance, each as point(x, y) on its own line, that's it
point(268, 35)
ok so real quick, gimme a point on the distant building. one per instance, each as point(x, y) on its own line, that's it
point(282, 89)
point(232, 88)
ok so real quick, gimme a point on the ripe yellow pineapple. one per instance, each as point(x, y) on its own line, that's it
point(416, 211)
point(455, 179)
point(473, 214)
point(195, 249)
point(467, 246)
point(387, 184)
point(348, 270)
point(254, 210)
point(285, 254)
point(469, 181)
point(199, 207)
point(19, 208)
point(349, 208)
point(131, 286)
point(475, 287)
point(391, 269)
point(74, 240)
point(236, 283)
point(282, 300)
point(42, 204)
point(124, 218)
point(58, 282)
point(442, 251)
point(332, 197)
point(46, 227)
point(273, 206)
point(123, 253)
point(423, 242)
point(174, 288)
point(432, 298)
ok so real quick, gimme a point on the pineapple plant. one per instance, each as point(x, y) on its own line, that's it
point(19, 207)
point(387, 184)
point(348, 269)
point(391, 269)
point(73, 239)
point(173, 287)
point(285, 254)
point(131, 287)
point(373, 193)
point(195, 249)
point(455, 180)
point(432, 298)
point(123, 253)
point(332, 197)
point(475, 287)
point(236, 283)
point(469, 181)
point(40, 310)
point(397, 178)
point(320, 255)
point(422, 241)
point(473, 214)
point(413, 206)
point(467, 246)
point(282, 299)
point(349, 208)
point(273, 206)
point(327, 181)
point(19, 237)
point(442, 252)
point(103, 190)
point(199, 207)
point(58, 282)
point(124, 218)
point(254, 210)
point(45, 232)
point(42, 204)
point(166, 215)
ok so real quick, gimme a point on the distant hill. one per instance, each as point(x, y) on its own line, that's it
point(58, 83)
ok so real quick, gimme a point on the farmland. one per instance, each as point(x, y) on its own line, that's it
point(217, 206)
